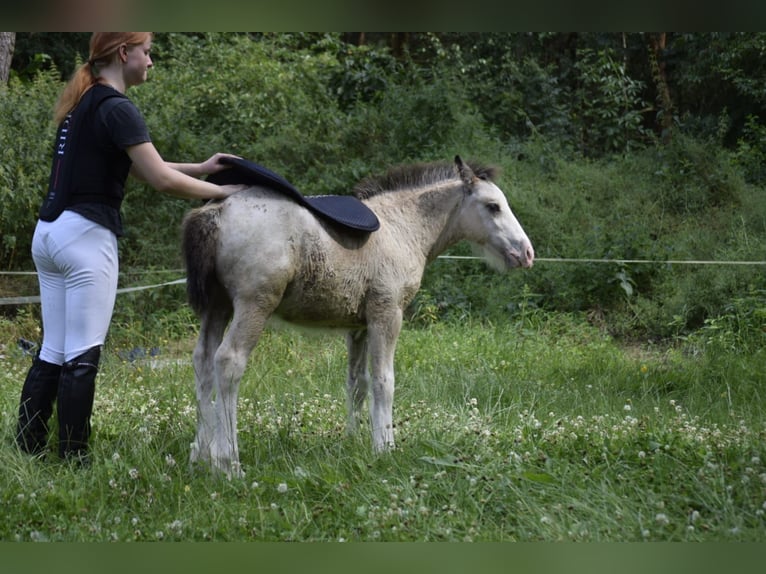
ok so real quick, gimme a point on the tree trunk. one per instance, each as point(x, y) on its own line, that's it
point(399, 41)
point(657, 43)
point(355, 38)
point(7, 42)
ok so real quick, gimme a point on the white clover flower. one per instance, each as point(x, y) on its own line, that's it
point(694, 516)
point(282, 488)
point(133, 473)
point(662, 519)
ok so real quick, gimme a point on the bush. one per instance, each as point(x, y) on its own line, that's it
point(325, 115)
point(26, 144)
point(694, 176)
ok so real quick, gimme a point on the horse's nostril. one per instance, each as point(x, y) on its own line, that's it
point(530, 255)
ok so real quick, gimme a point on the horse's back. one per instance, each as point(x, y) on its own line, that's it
point(272, 248)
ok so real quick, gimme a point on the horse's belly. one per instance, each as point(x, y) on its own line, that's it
point(320, 308)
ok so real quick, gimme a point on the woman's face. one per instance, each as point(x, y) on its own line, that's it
point(138, 62)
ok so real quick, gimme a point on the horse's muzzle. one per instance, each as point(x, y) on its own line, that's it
point(525, 257)
point(529, 256)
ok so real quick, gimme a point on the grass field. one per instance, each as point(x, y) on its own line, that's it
point(544, 430)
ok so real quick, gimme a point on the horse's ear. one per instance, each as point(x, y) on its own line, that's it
point(466, 173)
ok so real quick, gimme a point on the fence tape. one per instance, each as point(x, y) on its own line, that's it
point(621, 261)
point(36, 298)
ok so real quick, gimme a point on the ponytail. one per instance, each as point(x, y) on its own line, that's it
point(80, 83)
point(103, 46)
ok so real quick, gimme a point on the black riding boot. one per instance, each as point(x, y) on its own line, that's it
point(36, 405)
point(77, 388)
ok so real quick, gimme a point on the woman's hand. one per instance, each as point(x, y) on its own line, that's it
point(214, 165)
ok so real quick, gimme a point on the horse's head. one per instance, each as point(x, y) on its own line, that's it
point(487, 221)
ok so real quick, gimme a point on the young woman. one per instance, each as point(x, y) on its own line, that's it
point(101, 138)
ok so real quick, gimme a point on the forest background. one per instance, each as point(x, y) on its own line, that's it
point(616, 146)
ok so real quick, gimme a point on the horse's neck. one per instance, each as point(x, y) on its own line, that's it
point(426, 218)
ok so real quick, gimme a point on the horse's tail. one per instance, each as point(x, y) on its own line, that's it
point(199, 244)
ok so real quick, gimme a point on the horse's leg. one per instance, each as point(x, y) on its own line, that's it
point(383, 335)
point(358, 381)
point(230, 362)
point(212, 327)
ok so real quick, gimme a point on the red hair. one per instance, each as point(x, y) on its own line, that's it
point(103, 45)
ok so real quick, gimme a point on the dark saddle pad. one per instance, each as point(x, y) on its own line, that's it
point(344, 210)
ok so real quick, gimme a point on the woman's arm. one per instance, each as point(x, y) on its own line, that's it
point(211, 165)
point(175, 179)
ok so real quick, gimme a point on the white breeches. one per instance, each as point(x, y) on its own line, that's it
point(77, 267)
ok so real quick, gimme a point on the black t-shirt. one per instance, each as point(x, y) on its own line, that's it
point(90, 164)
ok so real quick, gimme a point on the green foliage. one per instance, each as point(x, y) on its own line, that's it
point(750, 154)
point(362, 74)
point(714, 72)
point(37, 52)
point(590, 105)
point(739, 328)
point(26, 140)
point(695, 176)
point(580, 171)
point(608, 105)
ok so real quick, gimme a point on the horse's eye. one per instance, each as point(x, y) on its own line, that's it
point(493, 208)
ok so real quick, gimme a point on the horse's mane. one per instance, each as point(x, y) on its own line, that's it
point(417, 175)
